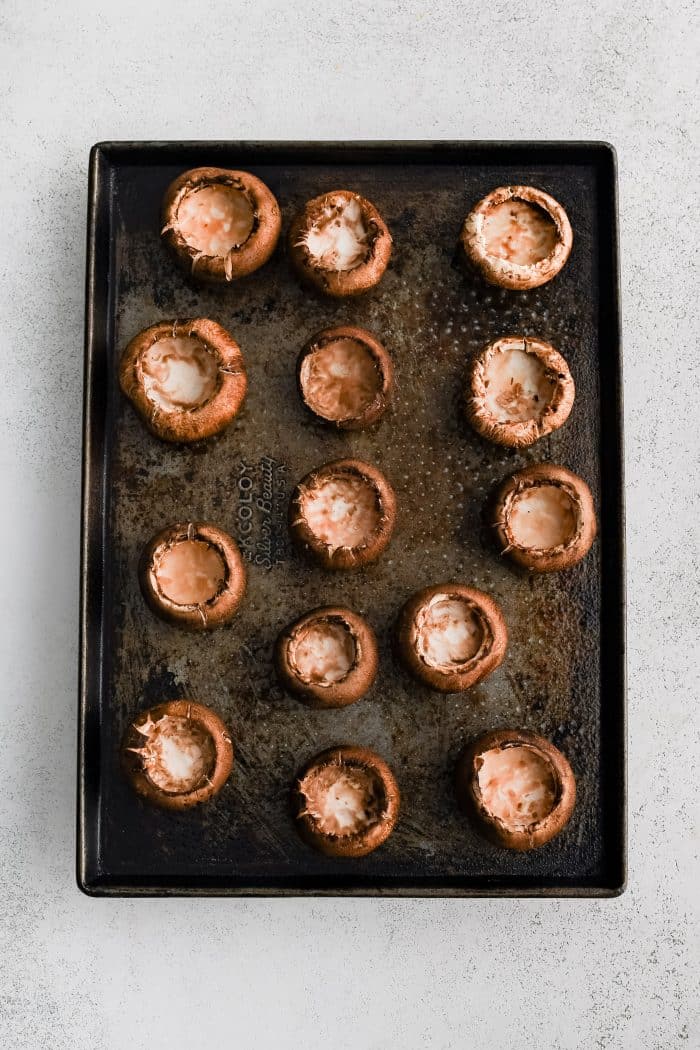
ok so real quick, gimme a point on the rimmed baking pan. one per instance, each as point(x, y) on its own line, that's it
point(563, 675)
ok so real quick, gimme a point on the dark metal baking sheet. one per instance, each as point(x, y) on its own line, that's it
point(564, 671)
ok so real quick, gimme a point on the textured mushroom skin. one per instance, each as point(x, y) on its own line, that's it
point(503, 272)
point(209, 418)
point(240, 261)
point(207, 615)
point(489, 656)
point(364, 842)
point(376, 409)
point(471, 802)
point(340, 283)
point(344, 557)
point(350, 688)
point(557, 558)
point(204, 717)
point(510, 433)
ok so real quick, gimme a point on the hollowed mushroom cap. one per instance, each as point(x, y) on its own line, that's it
point(177, 755)
point(517, 237)
point(518, 390)
point(220, 224)
point(192, 575)
point(517, 787)
point(543, 518)
point(345, 377)
point(345, 801)
point(340, 244)
point(328, 657)
point(186, 379)
point(450, 637)
point(344, 513)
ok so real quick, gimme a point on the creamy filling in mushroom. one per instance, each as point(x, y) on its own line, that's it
point(520, 232)
point(215, 219)
point(449, 632)
point(340, 380)
point(179, 373)
point(518, 387)
point(323, 652)
point(542, 517)
point(191, 572)
point(342, 511)
point(339, 240)
point(178, 754)
point(343, 800)
point(517, 785)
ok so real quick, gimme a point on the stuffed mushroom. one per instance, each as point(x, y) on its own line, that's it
point(345, 377)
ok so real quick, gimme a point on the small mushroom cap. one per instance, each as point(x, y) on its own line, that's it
point(206, 720)
point(203, 615)
point(240, 260)
point(209, 418)
point(504, 272)
point(544, 559)
point(550, 371)
point(361, 843)
point(344, 557)
point(340, 283)
point(357, 680)
point(471, 801)
point(487, 657)
point(376, 408)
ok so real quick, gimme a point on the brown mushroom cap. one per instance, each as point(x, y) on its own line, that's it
point(450, 636)
point(517, 787)
point(186, 379)
point(543, 518)
point(345, 801)
point(220, 224)
point(345, 377)
point(177, 755)
point(340, 244)
point(517, 237)
point(518, 390)
point(192, 575)
point(328, 657)
point(358, 535)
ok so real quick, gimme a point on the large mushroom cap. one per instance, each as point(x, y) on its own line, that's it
point(345, 377)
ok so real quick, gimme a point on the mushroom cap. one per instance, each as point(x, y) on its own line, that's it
point(518, 433)
point(471, 801)
point(503, 272)
point(209, 418)
point(551, 559)
point(363, 842)
point(382, 361)
point(203, 717)
point(239, 261)
point(487, 658)
point(344, 557)
point(354, 684)
point(206, 615)
point(340, 283)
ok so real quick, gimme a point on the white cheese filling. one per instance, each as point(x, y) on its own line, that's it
point(519, 232)
point(542, 517)
point(518, 387)
point(517, 785)
point(178, 755)
point(190, 572)
point(339, 240)
point(343, 800)
point(179, 373)
point(449, 632)
point(342, 511)
point(323, 652)
point(215, 219)
point(340, 380)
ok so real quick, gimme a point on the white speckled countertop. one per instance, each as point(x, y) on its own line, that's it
point(81, 974)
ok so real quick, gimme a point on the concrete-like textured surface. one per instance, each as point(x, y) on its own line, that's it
point(104, 975)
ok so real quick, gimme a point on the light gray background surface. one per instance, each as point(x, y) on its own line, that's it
point(80, 974)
